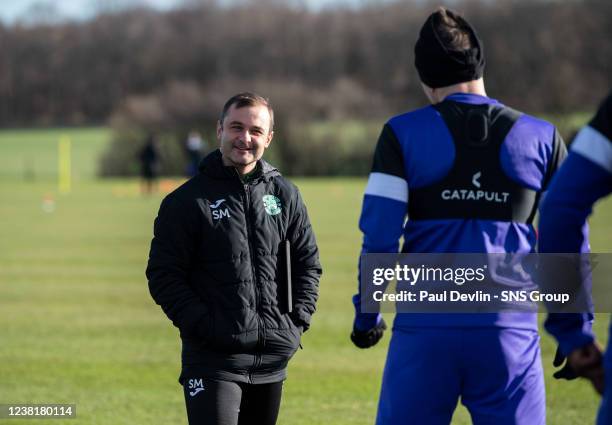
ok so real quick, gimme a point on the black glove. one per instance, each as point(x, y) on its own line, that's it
point(369, 338)
point(566, 372)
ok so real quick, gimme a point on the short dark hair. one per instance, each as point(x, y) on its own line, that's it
point(452, 32)
point(247, 99)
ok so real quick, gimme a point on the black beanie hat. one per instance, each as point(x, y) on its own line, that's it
point(439, 66)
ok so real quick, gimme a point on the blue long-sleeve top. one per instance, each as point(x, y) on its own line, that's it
point(416, 150)
point(585, 177)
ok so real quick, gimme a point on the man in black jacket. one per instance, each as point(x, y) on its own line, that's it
point(234, 264)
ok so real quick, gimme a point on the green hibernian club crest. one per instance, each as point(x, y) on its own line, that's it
point(272, 204)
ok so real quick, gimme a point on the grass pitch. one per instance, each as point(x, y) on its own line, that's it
point(79, 326)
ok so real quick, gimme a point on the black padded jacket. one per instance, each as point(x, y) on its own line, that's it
point(217, 269)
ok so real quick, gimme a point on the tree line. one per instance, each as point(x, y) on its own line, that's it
point(541, 56)
point(143, 70)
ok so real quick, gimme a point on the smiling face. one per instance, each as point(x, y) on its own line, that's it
point(244, 135)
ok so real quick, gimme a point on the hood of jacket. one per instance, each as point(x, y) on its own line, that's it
point(212, 166)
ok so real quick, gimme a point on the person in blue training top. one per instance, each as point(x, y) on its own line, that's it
point(585, 177)
point(423, 160)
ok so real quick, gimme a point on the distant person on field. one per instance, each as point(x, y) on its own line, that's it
point(217, 267)
point(149, 165)
point(584, 178)
point(428, 166)
point(193, 147)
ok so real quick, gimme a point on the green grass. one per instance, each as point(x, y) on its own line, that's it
point(79, 326)
point(31, 154)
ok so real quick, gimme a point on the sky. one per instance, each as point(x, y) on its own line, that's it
point(12, 10)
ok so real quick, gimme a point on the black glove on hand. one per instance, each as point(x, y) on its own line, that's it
point(566, 372)
point(369, 338)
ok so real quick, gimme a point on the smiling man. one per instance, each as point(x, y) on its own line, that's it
point(234, 264)
point(244, 133)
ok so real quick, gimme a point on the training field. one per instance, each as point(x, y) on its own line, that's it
point(78, 324)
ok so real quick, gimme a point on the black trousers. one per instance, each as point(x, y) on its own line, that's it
point(214, 402)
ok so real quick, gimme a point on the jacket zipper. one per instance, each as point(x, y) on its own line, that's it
point(260, 333)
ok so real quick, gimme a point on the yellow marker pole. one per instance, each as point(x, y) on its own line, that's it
point(64, 165)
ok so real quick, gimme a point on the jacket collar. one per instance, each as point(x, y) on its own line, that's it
point(471, 98)
point(213, 166)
